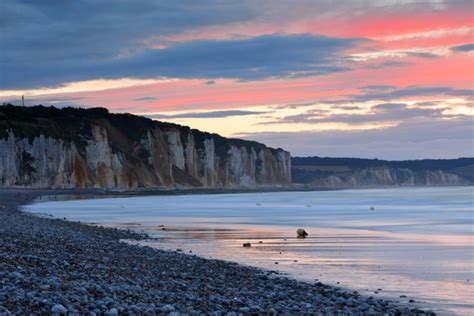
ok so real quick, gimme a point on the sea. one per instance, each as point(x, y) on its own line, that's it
point(403, 244)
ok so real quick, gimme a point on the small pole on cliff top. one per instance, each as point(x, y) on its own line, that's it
point(23, 100)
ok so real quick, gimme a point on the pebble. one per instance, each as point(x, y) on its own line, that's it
point(244, 310)
point(58, 309)
point(16, 275)
point(167, 308)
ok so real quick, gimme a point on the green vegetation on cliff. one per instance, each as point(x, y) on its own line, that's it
point(74, 124)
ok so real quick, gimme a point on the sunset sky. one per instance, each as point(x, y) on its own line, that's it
point(387, 79)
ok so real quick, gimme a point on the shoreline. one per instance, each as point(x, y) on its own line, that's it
point(74, 194)
point(88, 269)
point(197, 190)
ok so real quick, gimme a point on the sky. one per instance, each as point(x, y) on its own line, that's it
point(388, 79)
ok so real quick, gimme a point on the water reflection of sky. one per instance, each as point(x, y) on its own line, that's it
point(414, 242)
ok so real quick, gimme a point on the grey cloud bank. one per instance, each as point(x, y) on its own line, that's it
point(48, 43)
point(75, 36)
point(244, 59)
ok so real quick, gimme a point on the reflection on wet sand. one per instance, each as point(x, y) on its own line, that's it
point(354, 259)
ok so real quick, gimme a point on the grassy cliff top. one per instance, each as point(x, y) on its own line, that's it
point(358, 163)
point(74, 124)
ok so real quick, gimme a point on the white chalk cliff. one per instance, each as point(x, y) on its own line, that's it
point(39, 149)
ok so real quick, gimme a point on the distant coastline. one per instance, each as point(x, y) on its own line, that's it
point(371, 173)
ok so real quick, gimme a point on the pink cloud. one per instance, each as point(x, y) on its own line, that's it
point(187, 94)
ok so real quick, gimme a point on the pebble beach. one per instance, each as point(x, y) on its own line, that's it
point(53, 266)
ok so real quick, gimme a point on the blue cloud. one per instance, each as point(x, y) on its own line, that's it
point(378, 87)
point(213, 114)
point(463, 48)
point(145, 99)
point(400, 93)
point(75, 36)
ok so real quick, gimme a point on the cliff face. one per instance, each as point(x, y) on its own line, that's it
point(75, 148)
point(384, 176)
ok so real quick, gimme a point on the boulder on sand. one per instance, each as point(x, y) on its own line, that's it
point(301, 233)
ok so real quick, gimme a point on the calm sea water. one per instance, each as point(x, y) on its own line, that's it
point(416, 242)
